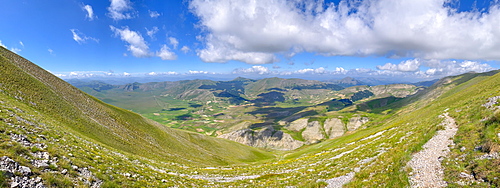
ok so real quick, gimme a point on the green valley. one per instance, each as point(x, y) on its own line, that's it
point(305, 133)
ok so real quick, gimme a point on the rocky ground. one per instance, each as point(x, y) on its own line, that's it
point(426, 164)
point(34, 151)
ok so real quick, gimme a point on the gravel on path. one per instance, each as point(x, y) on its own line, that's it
point(427, 169)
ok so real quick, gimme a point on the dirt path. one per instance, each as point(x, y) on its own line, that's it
point(427, 170)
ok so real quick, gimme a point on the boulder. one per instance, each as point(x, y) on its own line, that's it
point(334, 127)
point(356, 122)
point(313, 132)
point(266, 137)
point(297, 125)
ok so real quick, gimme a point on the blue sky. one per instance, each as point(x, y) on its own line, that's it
point(411, 40)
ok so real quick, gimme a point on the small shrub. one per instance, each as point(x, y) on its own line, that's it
point(3, 179)
point(57, 180)
point(110, 184)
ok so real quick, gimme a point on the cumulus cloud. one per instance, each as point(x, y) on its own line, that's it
point(432, 68)
point(174, 42)
point(136, 44)
point(90, 12)
point(320, 70)
point(152, 32)
point(405, 66)
point(162, 73)
point(185, 49)
point(255, 31)
point(121, 9)
point(13, 49)
point(153, 14)
point(198, 72)
point(219, 51)
point(340, 70)
point(166, 54)
point(87, 74)
point(80, 37)
point(447, 68)
point(253, 70)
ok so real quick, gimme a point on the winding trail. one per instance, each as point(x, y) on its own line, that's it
point(427, 169)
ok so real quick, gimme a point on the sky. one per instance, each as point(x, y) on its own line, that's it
point(316, 39)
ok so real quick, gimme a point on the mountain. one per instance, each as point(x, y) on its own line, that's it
point(347, 82)
point(54, 135)
point(426, 83)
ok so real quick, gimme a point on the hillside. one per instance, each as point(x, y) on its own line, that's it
point(54, 135)
point(65, 109)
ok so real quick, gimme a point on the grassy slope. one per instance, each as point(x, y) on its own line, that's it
point(112, 126)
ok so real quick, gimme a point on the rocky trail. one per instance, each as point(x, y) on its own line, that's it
point(426, 164)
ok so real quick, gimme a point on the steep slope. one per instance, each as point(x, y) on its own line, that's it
point(120, 129)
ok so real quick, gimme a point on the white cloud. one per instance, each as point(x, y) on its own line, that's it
point(162, 73)
point(340, 70)
point(51, 51)
point(84, 74)
point(166, 54)
point(218, 51)
point(254, 31)
point(90, 12)
point(253, 70)
point(198, 72)
point(153, 14)
point(447, 68)
point(185, 49)
point(174, 42)
point(405, 66)
point(126, 74)
point(136, 44)
point(152, 32)
point(435, 68)
point(171, 73)
point(21, 43)
point(320, 70)
point(121, 9)
point(80, 37)
point(15, 50)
